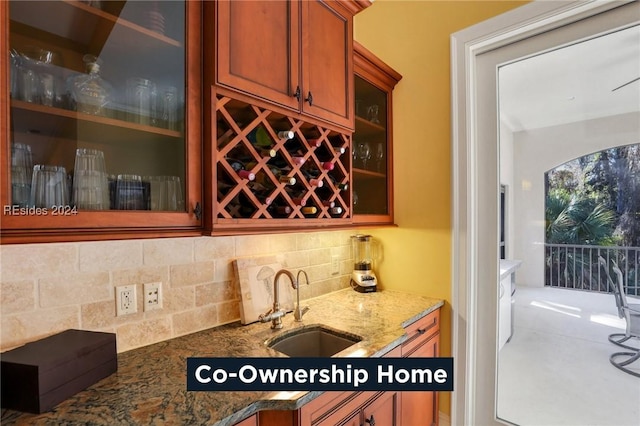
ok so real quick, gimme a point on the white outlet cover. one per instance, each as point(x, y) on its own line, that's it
point(335, 264)
point(152, 296)
point(126, 300)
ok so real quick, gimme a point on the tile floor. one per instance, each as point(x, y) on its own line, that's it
point(556, 370)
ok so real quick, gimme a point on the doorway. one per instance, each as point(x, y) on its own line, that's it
point(476, 54)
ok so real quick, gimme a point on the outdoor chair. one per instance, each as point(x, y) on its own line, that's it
point(631, 314)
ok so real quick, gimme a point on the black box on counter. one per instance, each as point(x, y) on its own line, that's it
point(41, 374)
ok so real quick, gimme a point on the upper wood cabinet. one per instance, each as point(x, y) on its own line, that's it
point(295, 54)
point(372, 147)
point(118, 81)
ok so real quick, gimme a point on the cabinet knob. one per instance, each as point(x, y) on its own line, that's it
point(371, 421)
point(297, 93)
point(309, 99)
point(197, 210)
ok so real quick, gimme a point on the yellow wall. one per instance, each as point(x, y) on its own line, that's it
point(413, 38)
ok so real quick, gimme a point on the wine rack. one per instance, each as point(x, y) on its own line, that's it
point(278, 168)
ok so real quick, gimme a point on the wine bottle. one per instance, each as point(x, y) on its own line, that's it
point(297, 196)
point(279, 210)
point(315, 142)
point(240, 169)
point(339, 185)
point(262, 142)
point(313, 177)
point(339, 150)
point(281, 174)
point(286, 134)
point(334, 211)
point(310, 210)
point(327, 165)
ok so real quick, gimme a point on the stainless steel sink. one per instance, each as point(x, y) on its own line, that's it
point(313, 341)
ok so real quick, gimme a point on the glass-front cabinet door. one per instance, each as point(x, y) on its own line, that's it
point(372, 153)
point(101, 116)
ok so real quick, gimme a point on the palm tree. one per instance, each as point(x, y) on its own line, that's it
point(575, 220)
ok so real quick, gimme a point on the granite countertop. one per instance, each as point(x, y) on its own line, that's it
point(150, 384)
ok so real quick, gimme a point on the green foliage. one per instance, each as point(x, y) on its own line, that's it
point(595, 199)
point(578, 220)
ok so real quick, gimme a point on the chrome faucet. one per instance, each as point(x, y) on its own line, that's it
point(298, 313)
point(275, 314)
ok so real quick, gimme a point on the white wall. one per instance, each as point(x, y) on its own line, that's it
point(534, 153)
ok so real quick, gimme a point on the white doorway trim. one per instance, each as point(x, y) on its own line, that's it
point(475, 186)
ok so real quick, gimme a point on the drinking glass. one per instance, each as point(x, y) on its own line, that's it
point(364, 154)
point(49, 186)
point(379, 156)
point(90, 184)
point(21, 173)
point(166, 193)
point(141, 99)
point(168, 107)
point(372, 114)
point(131, 193)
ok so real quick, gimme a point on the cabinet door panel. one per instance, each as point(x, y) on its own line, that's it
point(421, 408)
point(258, 48)
point(383, 411)
point(327, 63)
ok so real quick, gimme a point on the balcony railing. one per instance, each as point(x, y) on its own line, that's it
point(576, 267)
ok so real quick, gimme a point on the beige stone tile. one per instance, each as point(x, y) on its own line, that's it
point(168, 251)
point(138, 276)
point(297, 259)
point(252, 245)
point(309, 240)
point(208, 248)
point(224, 269)
point(31, 261)
point(191, 274)
point(320, 256)
point(74, 289)
point(29, 326)
point(195, 320)
point(213, 293)
point(142, 333)
point(98, 315)
point(281, 243)
point(110, 255)
point(178, 299)
point(319, 272)
point(17, 296)
point(228, 312)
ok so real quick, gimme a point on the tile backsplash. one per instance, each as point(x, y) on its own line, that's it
point(47, 288)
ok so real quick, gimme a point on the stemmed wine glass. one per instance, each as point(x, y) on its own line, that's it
point(364, 154)
point(379, 156)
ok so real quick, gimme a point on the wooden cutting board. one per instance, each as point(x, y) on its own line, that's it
point(255, 276)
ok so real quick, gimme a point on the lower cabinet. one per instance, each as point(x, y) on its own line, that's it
point(249, 421)
point(373, 408)
point(421, 408)
point(352, 409)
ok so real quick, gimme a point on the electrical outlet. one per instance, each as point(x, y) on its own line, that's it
point(335, 264)
point(126, 302)
point(152, 296)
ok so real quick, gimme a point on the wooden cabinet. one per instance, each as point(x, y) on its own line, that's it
point(352, 408)
point(280, 66)
point(372, 148)
point(421, 408)
point(249, 421)
point(296, 55)
point(146, 76)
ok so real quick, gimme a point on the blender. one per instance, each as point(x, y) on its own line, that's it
point(363, 279)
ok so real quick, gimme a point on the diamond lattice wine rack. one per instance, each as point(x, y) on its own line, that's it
point(273, 166)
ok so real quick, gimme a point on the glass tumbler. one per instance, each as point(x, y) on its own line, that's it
point(141, 99)
point(90, 184)
point(168, 107)
point(131, 193)
point(49, 186)
point(21, 172)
